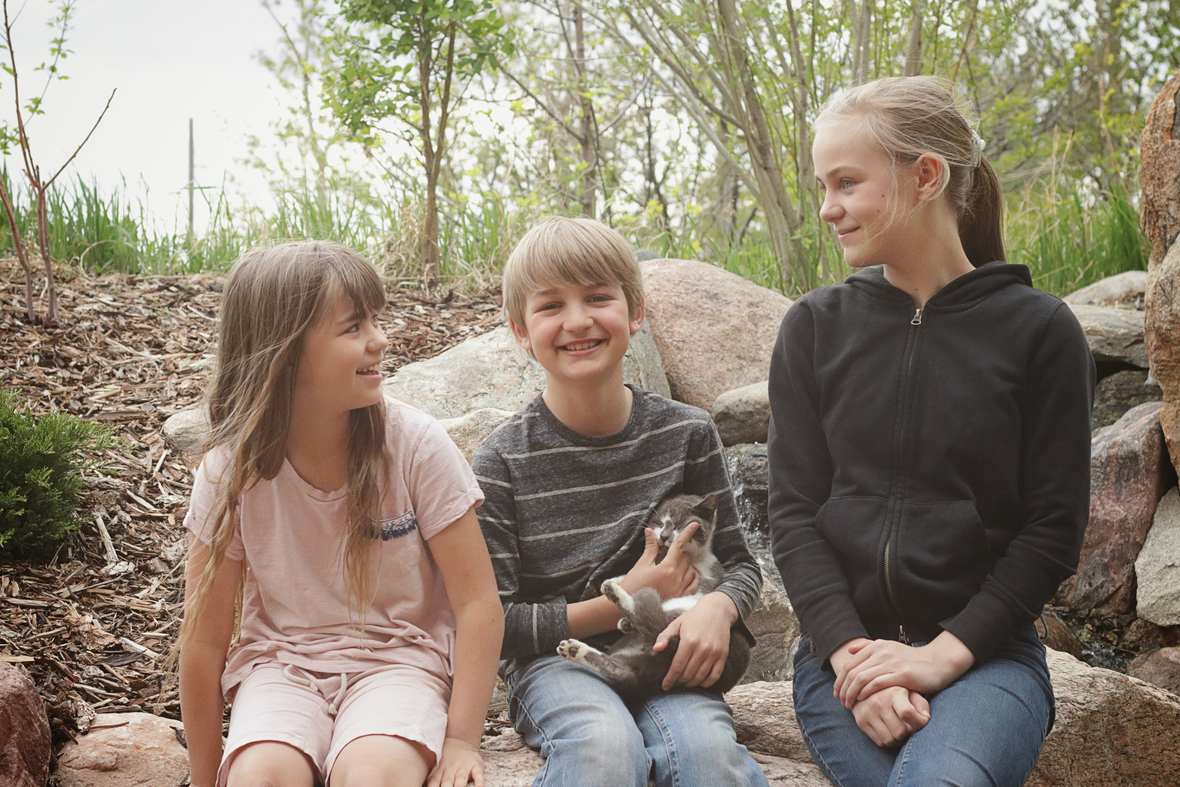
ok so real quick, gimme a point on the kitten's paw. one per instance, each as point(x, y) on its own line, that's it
point(613, 590)
point(573, 650)
point(625, 626)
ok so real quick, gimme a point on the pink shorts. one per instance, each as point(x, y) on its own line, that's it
point(320, 713)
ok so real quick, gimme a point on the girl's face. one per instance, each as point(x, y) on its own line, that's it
point(339, 369)
point(866, 197)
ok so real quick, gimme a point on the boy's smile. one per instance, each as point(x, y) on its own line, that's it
point(578, 331)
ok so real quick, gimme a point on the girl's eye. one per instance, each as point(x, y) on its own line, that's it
point(846, 183)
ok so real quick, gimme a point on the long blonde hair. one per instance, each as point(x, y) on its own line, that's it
point(272, 297)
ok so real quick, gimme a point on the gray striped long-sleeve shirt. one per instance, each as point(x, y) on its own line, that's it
point(564, 511)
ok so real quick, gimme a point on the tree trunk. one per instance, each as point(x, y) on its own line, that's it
point(588, 136)
point(913, 55)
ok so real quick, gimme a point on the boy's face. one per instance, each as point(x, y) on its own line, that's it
point(578, 332)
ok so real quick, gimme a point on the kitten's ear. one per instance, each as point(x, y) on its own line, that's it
point(707, 507)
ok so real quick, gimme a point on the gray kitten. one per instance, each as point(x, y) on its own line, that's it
point(633, 668)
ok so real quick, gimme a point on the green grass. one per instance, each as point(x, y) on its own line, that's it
point(1070, 238)
point(1068, 235)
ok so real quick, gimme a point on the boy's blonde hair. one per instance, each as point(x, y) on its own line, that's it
point(574, 250)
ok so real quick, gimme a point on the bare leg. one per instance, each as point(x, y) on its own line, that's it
point(271, 763)
point(381, 761)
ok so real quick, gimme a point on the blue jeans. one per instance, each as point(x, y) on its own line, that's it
point(985, 729)
point(589, 737)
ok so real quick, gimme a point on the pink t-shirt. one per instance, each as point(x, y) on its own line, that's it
point(295, 602)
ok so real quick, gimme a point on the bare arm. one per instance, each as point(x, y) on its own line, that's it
point(466, 569)
point(203, 660)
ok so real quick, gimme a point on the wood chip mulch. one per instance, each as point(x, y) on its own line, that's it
point(92, 626)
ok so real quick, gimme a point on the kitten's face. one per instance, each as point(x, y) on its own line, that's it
point(676, 513)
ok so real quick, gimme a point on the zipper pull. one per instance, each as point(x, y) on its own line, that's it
point(917, 317)
point(901, 637)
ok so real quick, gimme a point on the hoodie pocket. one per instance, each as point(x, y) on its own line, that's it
point(853, 526)
point(942, 556)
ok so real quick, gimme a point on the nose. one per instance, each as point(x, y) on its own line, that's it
point(378, 341)
point(577, 318)
point(829, 209)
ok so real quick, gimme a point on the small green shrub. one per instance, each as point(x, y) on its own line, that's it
point(40, 482)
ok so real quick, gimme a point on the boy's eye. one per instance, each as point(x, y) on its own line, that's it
point(847, 183)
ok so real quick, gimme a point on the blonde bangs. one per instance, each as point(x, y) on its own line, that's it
point(570, 250)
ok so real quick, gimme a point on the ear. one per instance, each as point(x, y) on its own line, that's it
point(522, 336)
point(637, 320)
point(928, 176)
point(707, 507)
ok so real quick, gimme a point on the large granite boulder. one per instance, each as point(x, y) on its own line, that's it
point(1159, 171)
point(1114, 335)
point(743, 414)
point(1159, 207)
point(1118, 393)
point(1157, 568)
point(125, 750)
point(1160, 668)
point(1123, 289)
point(1111, 731)
point(714, 330)
point(493, 371)
point(25, 742)
point(1162, 334)
point(1128, 475)
point(468, 431)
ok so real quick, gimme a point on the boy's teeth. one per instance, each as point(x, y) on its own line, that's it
point(580, 346)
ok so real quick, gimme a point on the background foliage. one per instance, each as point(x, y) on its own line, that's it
point(40, 482)
point(682, 123)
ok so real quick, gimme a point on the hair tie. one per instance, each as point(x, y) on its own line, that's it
point(978, 144)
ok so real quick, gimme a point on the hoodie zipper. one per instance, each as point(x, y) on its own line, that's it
point(890, 554)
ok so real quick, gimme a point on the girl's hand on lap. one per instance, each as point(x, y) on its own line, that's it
point(704, 642)
point(880, 664)
point(460, 763)
point(892, 715)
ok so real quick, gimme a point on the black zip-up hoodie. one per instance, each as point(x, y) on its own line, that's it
point(929, 470)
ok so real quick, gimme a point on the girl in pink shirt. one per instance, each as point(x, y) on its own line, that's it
point(344, 523)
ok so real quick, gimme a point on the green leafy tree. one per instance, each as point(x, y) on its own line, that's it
point(399, 69)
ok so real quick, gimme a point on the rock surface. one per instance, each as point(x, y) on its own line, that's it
point(714, 329)
point(25, 742)
point(1162, 336)
point(747, 466)
point(1159, 168)
point(743, 414)
point(1160, 668)
point(186, 429)
point(468, 431)
point(1118, 393)
point(1157, 568)
point(775, 627)
point(1122, 288)
point(1128, 476)
point(125, 750)
point(1114, 335)
point(1111, 731)
point(493, 371)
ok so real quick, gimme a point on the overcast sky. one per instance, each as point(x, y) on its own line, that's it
point(170, 60)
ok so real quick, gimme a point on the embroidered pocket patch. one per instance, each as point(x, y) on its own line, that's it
point(397, 527)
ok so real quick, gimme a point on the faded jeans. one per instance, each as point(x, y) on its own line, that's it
point(589, 737)
point(986, 729)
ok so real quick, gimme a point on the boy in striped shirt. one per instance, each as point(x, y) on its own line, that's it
point(569, 482)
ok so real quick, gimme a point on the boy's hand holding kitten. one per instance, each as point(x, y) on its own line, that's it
point(704, 642)
point(671, 577)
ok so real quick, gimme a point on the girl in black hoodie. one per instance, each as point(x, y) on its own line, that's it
point(929, 458)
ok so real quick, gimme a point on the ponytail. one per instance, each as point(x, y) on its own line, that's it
point(981, 224)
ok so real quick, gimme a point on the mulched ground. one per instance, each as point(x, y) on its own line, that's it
point(93, 625)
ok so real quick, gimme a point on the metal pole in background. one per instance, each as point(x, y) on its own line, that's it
point(191, 183)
